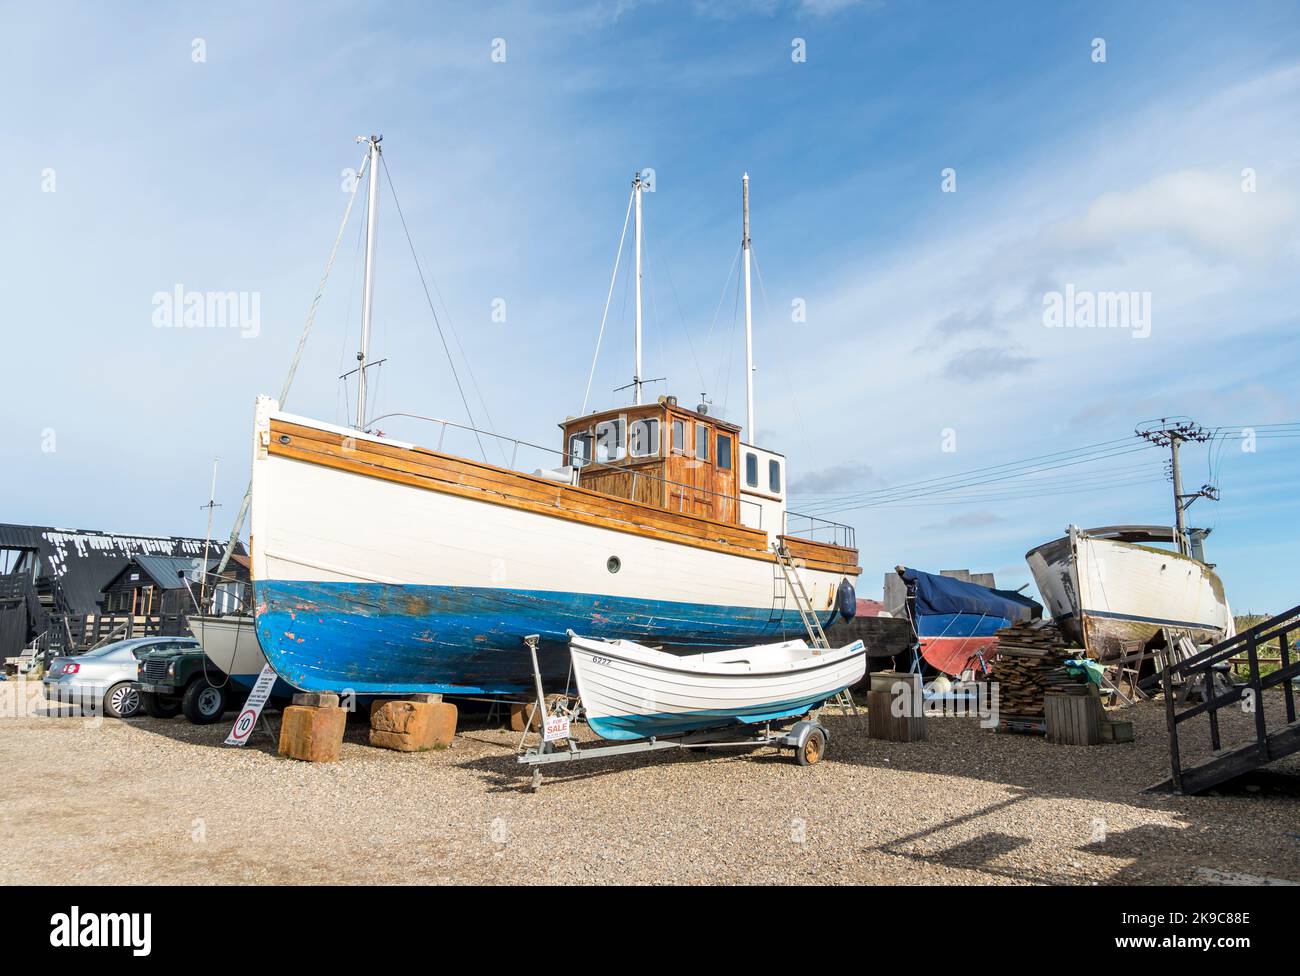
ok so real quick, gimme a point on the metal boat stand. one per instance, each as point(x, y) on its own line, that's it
point(808, 739)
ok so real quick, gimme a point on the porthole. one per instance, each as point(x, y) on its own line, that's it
point(613, 564)
point(284, 438)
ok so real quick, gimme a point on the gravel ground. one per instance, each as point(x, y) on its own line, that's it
point(162, 801)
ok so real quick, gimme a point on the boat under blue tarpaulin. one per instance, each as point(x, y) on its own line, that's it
point(956, 621)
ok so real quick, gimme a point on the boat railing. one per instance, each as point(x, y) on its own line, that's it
point(819, 530)
point(509, 451)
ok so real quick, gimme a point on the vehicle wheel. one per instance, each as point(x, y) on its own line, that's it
point(122, 700)
point(156, 707)
point(812, 750)
point(203, 704)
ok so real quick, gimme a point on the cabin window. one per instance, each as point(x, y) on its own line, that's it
point(774, 476)
point(611, 440)
point(580, 450)
point(751, 469)
point(645, 438)
point(679, 436)
point(724, 451)
point(701, 442)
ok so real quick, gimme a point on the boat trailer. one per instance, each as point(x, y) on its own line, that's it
point(807, 738)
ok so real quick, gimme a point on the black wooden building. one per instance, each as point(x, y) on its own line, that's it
point(52, 584)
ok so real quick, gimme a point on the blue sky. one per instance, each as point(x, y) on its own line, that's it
point(924, 308)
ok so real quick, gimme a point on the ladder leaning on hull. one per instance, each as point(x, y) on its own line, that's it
point(808, 616)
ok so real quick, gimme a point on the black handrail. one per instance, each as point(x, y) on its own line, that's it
point(1205, 664)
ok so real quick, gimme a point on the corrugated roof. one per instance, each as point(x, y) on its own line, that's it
point(83, 561)
point(166, 570)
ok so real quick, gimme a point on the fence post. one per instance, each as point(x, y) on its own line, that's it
point(1171, 720)
point(1257, 687)
point(1285, 661)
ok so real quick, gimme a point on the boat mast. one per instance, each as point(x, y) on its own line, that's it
point(749, 323)
point(637, 186)
point(369, 287)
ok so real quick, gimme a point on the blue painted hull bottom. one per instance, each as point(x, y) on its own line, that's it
point(385, 639)
point(622, 727)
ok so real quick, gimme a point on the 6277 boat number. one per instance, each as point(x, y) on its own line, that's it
point(599, 660)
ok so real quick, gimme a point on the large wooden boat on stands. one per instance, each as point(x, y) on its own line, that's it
point(385, 567)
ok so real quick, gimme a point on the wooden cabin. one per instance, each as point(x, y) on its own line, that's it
point(662, 454)
point(682, 460)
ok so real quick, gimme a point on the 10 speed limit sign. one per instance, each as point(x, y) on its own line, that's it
point(252, 710)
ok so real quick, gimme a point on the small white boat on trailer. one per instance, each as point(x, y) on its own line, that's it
point(727, 698)
point(629, 691)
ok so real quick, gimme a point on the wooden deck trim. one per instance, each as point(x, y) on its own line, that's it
point(514, 484)
point(430, 470)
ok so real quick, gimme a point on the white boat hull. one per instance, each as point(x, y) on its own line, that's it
point(230, 643)
point(633, 692)
point(1104, 592)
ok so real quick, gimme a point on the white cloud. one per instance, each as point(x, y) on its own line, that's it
point(1204, 210)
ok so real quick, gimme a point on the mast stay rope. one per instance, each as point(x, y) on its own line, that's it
point(608, 297)
point(297, 356)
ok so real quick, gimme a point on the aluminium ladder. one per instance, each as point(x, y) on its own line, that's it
point(808, 616)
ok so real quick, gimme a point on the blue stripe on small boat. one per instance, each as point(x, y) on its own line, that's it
point(386, 639)
point(675, 723)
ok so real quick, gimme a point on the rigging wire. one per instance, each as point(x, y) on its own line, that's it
point(690, 343)
point(436, 321)
point(608, 296)
point(785, 360)
point(297, 358)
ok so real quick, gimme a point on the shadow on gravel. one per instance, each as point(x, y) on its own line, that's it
point(504, 773)
point(1247, 818)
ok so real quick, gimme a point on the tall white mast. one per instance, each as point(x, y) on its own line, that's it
point(369, 287)
point(750, 433)
point(636, 377)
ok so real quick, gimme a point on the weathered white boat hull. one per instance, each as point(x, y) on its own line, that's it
point(632, 692)
point(1103, 592)
point(230, 643)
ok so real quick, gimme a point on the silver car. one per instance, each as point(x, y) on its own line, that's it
point(105, 677)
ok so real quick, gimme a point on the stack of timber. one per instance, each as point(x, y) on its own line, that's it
point(1031, 662)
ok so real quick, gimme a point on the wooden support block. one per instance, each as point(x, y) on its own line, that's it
point(1072, 719)
point(312, 734)
point(882, 723)
point(520, 712)
point(412, 726)
point(311, 699)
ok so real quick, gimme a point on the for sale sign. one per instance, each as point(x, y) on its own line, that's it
point(252, 710)
point(557, 727)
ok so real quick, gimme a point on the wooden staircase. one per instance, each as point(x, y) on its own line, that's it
point(1268, 743)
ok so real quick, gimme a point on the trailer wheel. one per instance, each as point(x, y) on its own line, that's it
point(812, 750)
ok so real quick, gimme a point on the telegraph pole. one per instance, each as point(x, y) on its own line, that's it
point(1172, 432)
